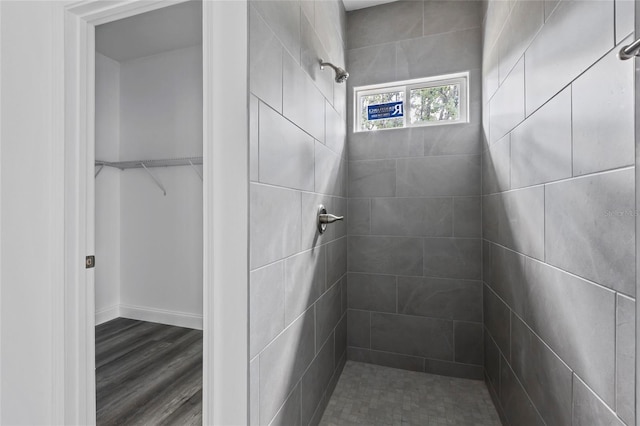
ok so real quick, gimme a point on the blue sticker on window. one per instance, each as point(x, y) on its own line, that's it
point(388, 110)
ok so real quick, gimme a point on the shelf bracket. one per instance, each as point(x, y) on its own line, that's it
point(164, 191)
point(99, 170)
point(195, 169)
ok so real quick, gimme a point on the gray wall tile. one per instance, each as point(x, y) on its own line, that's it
point(625, 11)
point(384, 24)
point(444, 16)
point(302, 102)
point(589, 230)
point(586, 23)
point(305, 281)
point(386, 359)
point(254, 158)
point(468, 342)
point(453, 258)
point(508, 278)
point(336, 260)
point(430, 217)
point(492, 361)
point(329, 171)
point(273, 205)
point(541, 146)
point(625, 358)
point(372, 292)
point(453, 369)
point(585, 326)
point(309, 219)
point(311, 50)
point(507, 108)
point(395, 143)
point(289, 413)
point(359, 222)
point(524, 22)
point(396, 333)
point(517, 406)
point(335, 131)
point(284, 19)
point(254, 392)
point(283, 362)
point(603, 137)
point(496, 166)
point(340, 340)
point(440, 298)
point(516, 219)
point(457, 51)
point(316, 379)
point(266, 304)
point(497, 321)
point(438, 176)
point(328, 313)
point(278, 135)
point(466, 217)
point(330, 20)
point(385, 255)
point(544, 376)
point(359, 328)
point(371, 65)
point(265, 53)
point(453, 139)
point(588, 409)
point(372, 178)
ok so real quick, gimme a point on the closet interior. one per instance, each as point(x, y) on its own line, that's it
point(148, 217)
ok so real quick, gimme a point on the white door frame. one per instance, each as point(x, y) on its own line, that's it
point(225, 205)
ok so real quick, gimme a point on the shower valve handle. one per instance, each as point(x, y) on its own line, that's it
point(329, 218)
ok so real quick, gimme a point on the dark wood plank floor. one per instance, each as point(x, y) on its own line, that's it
point(148, 374)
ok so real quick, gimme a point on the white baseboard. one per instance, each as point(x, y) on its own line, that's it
point(107, 314)
point(179, 319)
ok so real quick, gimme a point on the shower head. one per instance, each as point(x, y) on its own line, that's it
point(341, 74)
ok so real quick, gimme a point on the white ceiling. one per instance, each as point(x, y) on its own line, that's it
point(361, 4)
point(161, 30)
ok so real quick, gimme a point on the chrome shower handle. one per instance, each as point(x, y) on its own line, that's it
point(329, 218)
point(324, 218)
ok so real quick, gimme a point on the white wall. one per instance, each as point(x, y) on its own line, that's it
point(150, 244)
point(26, 367)
point(107, 189)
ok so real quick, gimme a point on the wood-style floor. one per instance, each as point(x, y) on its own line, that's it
point(148, 374)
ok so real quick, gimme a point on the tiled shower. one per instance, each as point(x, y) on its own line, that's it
point(501, 250)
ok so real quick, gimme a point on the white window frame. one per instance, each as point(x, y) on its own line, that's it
point(406, 86)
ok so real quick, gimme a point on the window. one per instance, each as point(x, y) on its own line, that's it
point(421, 102)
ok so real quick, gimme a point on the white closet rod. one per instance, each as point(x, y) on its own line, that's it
point(144, 164)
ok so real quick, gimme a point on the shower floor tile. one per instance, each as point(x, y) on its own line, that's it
point(369, 394)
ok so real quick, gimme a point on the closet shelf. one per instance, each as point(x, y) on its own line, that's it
point(138, 164)
point(145, 164)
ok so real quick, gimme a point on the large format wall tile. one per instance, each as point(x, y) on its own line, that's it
point(576, 23)
point(387, 359)
point(305, 281)
point(440, 298)
point(438, 176)
point(430, 217)
point(284, 19)
point(330, 170)
point(497, 321)
point(394, 143)
point(384, 24)
point(466, 217)
point(625, 358)
point(328, 314)
point(545, 377)
point(266, 305)
point(541, 146)
point(385, 255)
point(372, 292)
point(496, 166)
point(518, 408)
point(444, 16)
point(456, 51)
point(278, 135)
point(336, 260)
point(358, 328)
point(283, 362)
point(506, 109)
point(265, 52)
point(468, 342)
point(316, 379)
point(397, 333)
point(273, 205)
point(359, 216)
point(298, 85)
point(508, 277)
point(311, 50)
point(452, 258)
point(372, 65)
point(590, 228)
point(584, 326)
point(372, 178)
point(603, 116)
point(588, 409)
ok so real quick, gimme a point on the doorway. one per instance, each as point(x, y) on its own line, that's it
point(224, 206)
